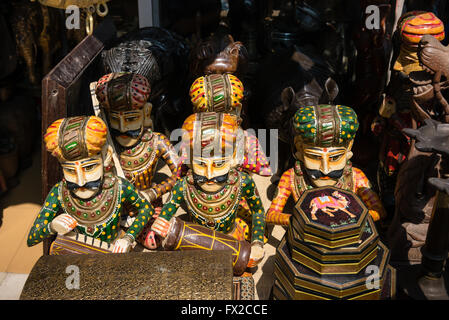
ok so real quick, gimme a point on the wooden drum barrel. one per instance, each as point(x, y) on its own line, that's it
point(191, 236)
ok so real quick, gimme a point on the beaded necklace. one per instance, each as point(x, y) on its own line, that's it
point(94, 213)
point(139, 159)
point(215, 209)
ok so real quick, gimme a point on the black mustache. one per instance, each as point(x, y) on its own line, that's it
point(131, 133)
point(202, 179)
point(317, 174)
point(93, 185)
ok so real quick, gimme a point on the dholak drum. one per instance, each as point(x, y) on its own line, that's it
point(191, 236)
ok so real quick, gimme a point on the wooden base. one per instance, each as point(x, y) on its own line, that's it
point(388, 291)
point(346, 260)
point(300, 282)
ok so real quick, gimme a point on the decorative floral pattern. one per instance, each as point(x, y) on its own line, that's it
point(294, 183)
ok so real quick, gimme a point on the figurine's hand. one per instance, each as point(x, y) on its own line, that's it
point(161, 227)
point(257, 254)
point(122, 245)
point(63, 224)
point(432, 137)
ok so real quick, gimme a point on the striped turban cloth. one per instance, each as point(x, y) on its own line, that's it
point(326, 125)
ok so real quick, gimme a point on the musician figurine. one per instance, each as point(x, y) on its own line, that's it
point(124, 98)
point(224, 93)
point(323, 142)
point(90, 199)
point(213, 187)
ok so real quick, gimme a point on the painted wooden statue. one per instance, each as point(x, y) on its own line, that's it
point(124, 96)
point(90, 199)
point(160, 56)
point(409, 97)
point(323, 142)
point(224, 93)
point(415, 197)
point(213, 188)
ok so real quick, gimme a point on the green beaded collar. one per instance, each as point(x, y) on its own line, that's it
point(213, 209)
point(92, 212)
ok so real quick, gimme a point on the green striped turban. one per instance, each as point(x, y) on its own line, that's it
point(326, 125)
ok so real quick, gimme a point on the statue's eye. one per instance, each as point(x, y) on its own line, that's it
point(131, 119)
point(313, 156)
point(199, 163)
point(70, 170)
point(336, 157)
point(219, 164)
point(90, 167)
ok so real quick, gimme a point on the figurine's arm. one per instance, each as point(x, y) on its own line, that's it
point(161, 225)
point(283, 192)
point(249, 191)
point(40, 229)
point(143, 208)
point(255, 159)
point(170, 157)
point(367, 195)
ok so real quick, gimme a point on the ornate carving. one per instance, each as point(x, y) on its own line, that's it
point(135, 56)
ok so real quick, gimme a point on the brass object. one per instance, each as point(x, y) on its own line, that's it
point(104, 12)
point(62, 4)
point(89, 23)
point(134, 276)
point(91, 7)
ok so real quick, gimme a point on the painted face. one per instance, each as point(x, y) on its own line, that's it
point(211, 174)
point(324, 166)
point(84, 177)
point(127, 126)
